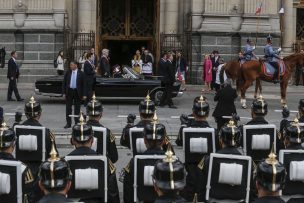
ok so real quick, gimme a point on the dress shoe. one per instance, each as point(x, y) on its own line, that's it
point(21, 99)
point(67, 126)
point(11, 99)
point(172, 107)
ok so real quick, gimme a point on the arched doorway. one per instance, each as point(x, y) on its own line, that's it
point(123, 26)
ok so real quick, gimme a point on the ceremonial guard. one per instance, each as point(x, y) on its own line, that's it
point(200, 112)
point(54, 179)
point(248, 50)
point(294, 136)
point(94, 111)
point(272, 57)
point(301, 111)
point(270, 178)
point(169, 178)
point(82, 139)
point(229, 139)
point(7, 147)
point(154, 138)
point(146, 113)
point(33, 112)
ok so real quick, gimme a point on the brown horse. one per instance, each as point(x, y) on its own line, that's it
point(252, 70)
point(233, 71)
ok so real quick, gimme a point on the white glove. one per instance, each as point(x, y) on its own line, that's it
point(253, 47)
point(279, 49)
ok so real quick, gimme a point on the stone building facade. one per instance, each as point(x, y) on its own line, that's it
point(37, 28)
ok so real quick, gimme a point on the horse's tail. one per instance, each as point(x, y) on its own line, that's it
point(240, 79)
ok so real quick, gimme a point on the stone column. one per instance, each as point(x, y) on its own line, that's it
point(288, 32)
point(84, 15)
point(171, 16)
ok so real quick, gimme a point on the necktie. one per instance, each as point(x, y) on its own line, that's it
point(73, 80)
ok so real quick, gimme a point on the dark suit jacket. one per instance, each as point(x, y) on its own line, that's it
point(80, 83)
point(215, 63)
point(104, 65)
point(225, 102)
point(88, 70)
point(13, 70)
point(169, 73)
point(161, 67)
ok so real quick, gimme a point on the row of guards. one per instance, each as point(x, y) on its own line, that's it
point(228, 176)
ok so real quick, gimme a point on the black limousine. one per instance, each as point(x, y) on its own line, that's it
point(130, 86)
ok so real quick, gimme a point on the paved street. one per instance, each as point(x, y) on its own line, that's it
point(53, 115)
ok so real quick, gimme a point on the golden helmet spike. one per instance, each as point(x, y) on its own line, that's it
point(148, 97)
point(53, 153)
point(94, 98)
point(272, 157)
point(81, 119)
point(260, 97)
point(296, 124)
point(202, 99)
point(32, 100)
point(169, 155)
point(195, 198)
point(155, 118)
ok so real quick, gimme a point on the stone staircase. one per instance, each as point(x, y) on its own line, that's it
point(30, 72)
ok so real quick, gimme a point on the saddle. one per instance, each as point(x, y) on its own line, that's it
point(268, 69)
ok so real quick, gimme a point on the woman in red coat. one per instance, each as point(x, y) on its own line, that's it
point(207, 72)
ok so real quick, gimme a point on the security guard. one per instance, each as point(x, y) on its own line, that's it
point(301, 111)
point(32, 112)
point(54, 179)
point(94, 111)
point(169, 178)
point(82, 139)
point(229, 139)
point(248, 50)
point(272, 58)
point(154, 138)
point(200, 112)
point(259, 110)
point(270, 178)
point(7, 146)
point(146, 111)
point(294, 136)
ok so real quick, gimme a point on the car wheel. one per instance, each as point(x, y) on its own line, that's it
point(157, 97)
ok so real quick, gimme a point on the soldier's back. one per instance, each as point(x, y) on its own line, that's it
point(53, 198)
point(269, 200)
point(170, 199)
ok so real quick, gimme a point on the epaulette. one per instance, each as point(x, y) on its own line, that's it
point(112, 137)
point(201, 164)
point(111, 166)
point(28, 176)
point(127, 168)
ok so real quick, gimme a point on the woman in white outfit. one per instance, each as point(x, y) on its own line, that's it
point(60, 63)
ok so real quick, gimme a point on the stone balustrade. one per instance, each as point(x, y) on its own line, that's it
point(32, 5)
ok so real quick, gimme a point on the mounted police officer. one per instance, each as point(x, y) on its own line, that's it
point(270, 178)
point(82, 139)
point(301, 110)
point(294, 136)
point(54, 179)
point(7, 147)
point(32, 112)
point(272, 57)
point(94, 111)
point(169, 178)
point(154, 138)
point(229, 139)
point(248, 50)
point(200, 112)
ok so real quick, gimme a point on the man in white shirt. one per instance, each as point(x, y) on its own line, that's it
point(218, 71)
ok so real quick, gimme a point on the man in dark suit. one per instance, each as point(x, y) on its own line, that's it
point(13, 75)
point(162, 66)
point(215, 63)
point(94, 57)
point(89, 74)
point(73, 91)
point(168, 81)
point(225, 103)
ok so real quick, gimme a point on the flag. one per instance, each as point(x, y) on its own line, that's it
point(259, 9)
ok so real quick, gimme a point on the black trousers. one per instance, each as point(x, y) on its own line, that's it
point(72, 98)
point(60, 72)
point(213, 84)
point(89, 89)
point(167, 96)
point(12, 87)
point(299, 72)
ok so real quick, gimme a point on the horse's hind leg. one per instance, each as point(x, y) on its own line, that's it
point(283, 87)
point(243, 92)
point(258, 86)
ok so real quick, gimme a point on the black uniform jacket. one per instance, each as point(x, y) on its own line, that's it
point(269, 200)
point(80, 86)
point(125, 136)
point(225, 102)
point(194, 124)
point(113, 193)
point(112, 153)
point(170, 199)
point(53, 198)
point(129, 175)
point(296, 200)
point(12, 70)
point(301, 120)
point(27, 178)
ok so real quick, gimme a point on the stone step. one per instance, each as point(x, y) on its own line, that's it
point(23, 78)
